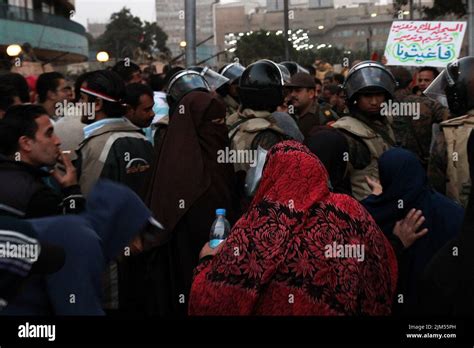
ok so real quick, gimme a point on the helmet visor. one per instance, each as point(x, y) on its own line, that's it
point(214, 79)
point(437, 89)
point(233, 72)
point(373, 77)
point(285, 73)
point(184, 82)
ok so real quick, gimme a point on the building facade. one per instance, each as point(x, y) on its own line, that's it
point(47, 27)
point(170, 17)
point(350, 25)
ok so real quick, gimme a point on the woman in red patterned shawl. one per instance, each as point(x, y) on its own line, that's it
point(283, 257)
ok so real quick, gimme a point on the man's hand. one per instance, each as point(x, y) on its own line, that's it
point(207, 250)
point(374, 185)
point(407, 228)
point(68, 179)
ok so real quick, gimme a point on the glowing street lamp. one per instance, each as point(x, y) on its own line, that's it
point(13, 50)
point(102, 57)
point(182, 44)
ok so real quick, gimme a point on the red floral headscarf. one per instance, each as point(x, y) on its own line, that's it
point(275, 260)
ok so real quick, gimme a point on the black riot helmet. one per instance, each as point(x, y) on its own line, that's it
point(214, 79)
point(454, 87)
point(182, 83)
point(369, 76)
point(261, 86)
point(232, 71)
point(294, 68)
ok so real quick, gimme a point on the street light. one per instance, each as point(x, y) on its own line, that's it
point(182, 44)
point(321, 27)
point(373, 15)
point(13, 50)
point(102, 57)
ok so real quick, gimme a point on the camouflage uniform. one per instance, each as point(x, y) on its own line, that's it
point(416, 135)
point(318, 115)
point(448, 166)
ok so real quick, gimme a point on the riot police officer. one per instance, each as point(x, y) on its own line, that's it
point(368, 85)
point(448, 169)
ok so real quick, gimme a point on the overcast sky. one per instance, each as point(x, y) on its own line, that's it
point(100, 10)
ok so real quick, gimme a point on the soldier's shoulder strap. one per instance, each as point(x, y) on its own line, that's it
point(459, 121)
point(249, 125)
point(238, 123)
point(354, 126)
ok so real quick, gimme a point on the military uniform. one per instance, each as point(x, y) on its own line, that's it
point(367, 139)
point(318, 115)
point(416, 134)
point(249, 129)
point(448, 169)
point(231, 105)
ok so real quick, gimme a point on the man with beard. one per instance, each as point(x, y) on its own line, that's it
point(115, 149)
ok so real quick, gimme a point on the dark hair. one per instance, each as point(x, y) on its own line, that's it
point(109, 83)
point(339, 78)
point(19, 120)
point(402, 76)
point(157, 82)
point(429, 68)
point(332, 88)
point(47, 82)
point(78, 84)
point(329, 76)
point(311, 69)
point(5, 65)
point(317, 81)
point(134, 91)
point(19, 83)
point(7, 95)
point(125, 70)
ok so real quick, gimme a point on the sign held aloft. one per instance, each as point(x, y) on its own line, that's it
point(424, 43)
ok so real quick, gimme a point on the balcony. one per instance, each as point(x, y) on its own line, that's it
point(51, 36)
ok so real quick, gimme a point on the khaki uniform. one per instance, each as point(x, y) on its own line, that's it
point(361, 134)
point(448, 169)
point(249, 129)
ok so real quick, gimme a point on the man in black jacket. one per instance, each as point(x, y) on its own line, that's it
point(28, 145)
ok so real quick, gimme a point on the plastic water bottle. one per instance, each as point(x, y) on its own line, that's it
point(220, 229)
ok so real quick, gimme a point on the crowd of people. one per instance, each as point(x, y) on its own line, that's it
point(340, 204)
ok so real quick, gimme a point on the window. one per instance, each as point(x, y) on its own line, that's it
point(47, 8)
